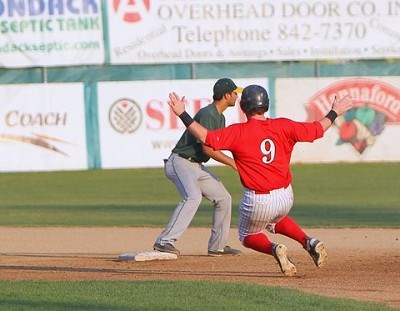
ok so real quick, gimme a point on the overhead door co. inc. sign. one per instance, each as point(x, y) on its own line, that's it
point(224, 30)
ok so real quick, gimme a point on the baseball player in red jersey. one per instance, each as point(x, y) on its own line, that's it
point(261, 148)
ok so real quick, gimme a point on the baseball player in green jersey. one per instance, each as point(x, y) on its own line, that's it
point(185, 169)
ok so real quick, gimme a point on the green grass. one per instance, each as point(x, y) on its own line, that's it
point(326, 195)
point(339, 195)
point(165, 295)
point(347, 195)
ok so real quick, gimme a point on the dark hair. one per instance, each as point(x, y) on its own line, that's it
point(218, 96)
point(255, 111)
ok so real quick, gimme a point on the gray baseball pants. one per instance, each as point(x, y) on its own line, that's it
point(193, 181)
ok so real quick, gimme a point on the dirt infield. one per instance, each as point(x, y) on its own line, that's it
point(364, 264)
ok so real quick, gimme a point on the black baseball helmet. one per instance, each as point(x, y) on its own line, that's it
point(253, 97)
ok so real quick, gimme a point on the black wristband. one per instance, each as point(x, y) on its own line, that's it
point(332, 115)
point(186, 119)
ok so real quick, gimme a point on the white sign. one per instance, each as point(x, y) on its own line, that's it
point(42, 127)
point(137, 128)
point(178, 31)
point(50, 33)
point(368, 132)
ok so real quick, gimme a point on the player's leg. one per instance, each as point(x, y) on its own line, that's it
point(184, 174)
point(259, 242)
point(213, 189)
point(287, 226)
point(258, 211)
point(255, 212)
point(281, 223)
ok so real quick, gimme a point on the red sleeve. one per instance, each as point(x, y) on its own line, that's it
point(305, 131)
point(221, 139)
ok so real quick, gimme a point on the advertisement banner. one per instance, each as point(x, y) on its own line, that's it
point(175, 31)
point(137, 128)
point(368, 132)
point(50, 33)
point(42, 128)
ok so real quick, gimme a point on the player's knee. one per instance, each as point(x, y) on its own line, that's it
point(227, 198)
point(193, 199)
point(228, 201)
point(225, 205)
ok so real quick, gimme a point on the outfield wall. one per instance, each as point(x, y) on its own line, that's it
point(84, 84)
point(128, 124)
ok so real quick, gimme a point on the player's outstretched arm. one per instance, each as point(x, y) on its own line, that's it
point(177, 105)
point(338, 108)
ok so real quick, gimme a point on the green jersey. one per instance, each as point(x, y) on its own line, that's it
point(188, 146)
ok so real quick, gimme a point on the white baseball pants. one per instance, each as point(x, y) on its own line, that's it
point(258, 212)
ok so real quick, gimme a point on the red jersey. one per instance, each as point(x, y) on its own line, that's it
point(262, 149)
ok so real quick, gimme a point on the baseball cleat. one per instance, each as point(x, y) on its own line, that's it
point(279, 251)
point(166, 248)
point(317, 251)
point(227, 250)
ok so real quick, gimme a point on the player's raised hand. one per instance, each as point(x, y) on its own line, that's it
point(342, 105)
point(338, 107)
point(176, 103)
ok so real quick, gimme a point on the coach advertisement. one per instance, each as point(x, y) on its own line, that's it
point(137, 128)
point(368, 132)
point(42, 128)
point(176, 31)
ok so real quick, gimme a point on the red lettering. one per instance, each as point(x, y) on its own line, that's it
point(173, 120)
point(159, 113)
point(156, 116)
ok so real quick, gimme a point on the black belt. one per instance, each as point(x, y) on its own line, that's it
point(191, 159)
